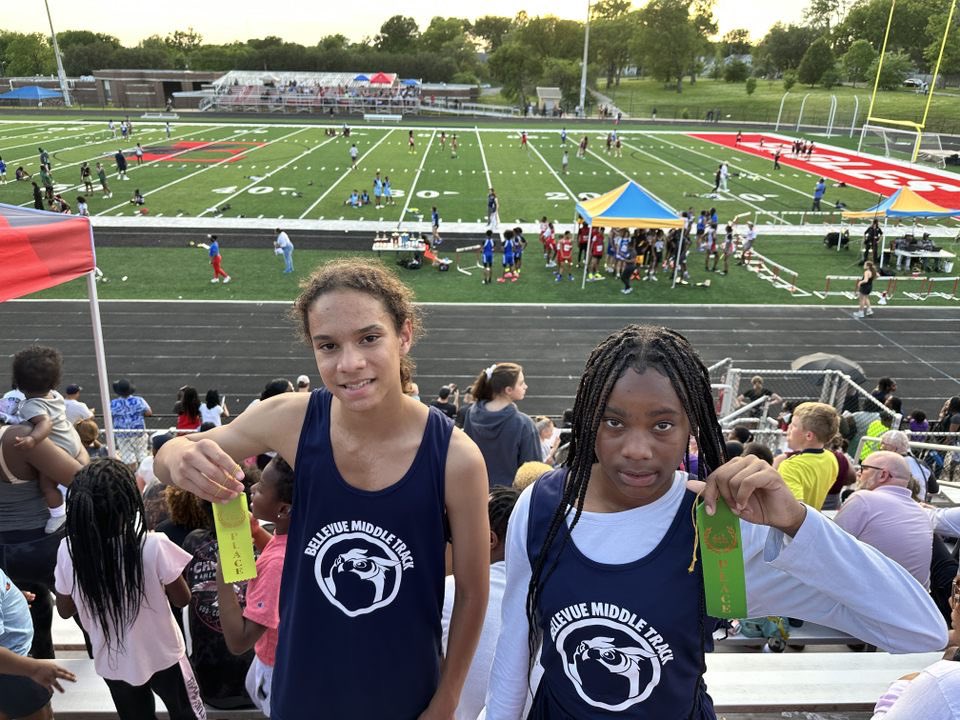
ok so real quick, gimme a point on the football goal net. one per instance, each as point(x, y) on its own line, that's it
point(902, 144)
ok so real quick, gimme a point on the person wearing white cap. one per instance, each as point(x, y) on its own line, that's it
point(303, 384)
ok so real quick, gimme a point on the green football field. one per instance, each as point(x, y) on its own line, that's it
point(287, 171)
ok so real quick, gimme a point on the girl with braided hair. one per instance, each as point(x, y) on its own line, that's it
point(121, 580)
point(600, 581)
point(382, 483)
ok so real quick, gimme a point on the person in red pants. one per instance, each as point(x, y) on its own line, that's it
point(215, 260)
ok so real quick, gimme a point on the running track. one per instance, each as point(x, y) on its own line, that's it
point(237, 347)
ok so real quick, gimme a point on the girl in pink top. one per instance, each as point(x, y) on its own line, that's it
point(121, 580)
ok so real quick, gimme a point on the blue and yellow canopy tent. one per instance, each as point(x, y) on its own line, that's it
point(629, 205)
point(904, 203)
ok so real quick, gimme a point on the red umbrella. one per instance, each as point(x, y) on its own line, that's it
point(381, 79)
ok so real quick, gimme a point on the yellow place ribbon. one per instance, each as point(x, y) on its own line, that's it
point(234, 539)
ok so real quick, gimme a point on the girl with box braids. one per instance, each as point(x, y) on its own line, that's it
point(105, 533)
point(636, 347)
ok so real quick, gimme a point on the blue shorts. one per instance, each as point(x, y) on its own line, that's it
point(487, 261)
point(508, 260)
point(21, 696)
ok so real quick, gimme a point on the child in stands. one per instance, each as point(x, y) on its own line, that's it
point(36, 372)
point(121, 581)
point(257, 625)
point(387, 481)
point(616, 517)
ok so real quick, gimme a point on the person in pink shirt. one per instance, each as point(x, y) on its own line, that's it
point(257, 626)
point(883, 514)
point(121, 580)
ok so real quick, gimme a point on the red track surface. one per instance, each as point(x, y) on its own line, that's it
point(865, 172)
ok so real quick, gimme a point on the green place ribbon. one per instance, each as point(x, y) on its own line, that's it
point(234, 539)
point(721, 555)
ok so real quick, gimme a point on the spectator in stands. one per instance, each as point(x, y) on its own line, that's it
point(214, 408)
point(755, 392)
point(882, 423)
point(220, 674)
point(27, 554)
point(932, 692)
point(760, 450)
point(303, 384)
point(123, 604)
point(506, 437)
point(643, 392)
point(846, 474)
point(145, 476)
point(361, 322)
point(919, 426)
point(807, 468)
point(187, 409)
point(549, 439)
point(155, 506)
point(741, 433)
point(885, 387)
point(499, 508)
point(26, 684)
point(896, 441)
point(882, 514)
point(466, 402)
point(257, 626)
point(444, 403)
point(128, 412)
point(529, 473)
point(75, 409)
point(185, 516)
point(89, 433)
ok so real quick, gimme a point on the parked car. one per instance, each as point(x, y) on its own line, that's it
point(914, 82)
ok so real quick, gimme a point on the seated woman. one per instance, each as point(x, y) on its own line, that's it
point(22, 174)
point(353, 200)
point(137, 198)
point(27, 554)
point(364, 198)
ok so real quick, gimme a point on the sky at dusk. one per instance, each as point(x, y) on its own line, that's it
point(221, 22)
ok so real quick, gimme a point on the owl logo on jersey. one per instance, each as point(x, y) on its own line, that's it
point(358, 573)
point(609, 663)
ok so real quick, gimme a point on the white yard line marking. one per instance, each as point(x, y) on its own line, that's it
point(416, 177)
point(759, 209)
point(201, 170)
point(571, 193)
point(272, 172)
point(483, 156)
point(345, 174)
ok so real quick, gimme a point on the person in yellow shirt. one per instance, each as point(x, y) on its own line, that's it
point(808, 469)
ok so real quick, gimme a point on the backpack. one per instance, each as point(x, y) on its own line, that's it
point(773, 628)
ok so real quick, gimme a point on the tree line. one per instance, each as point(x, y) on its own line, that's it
point(673, 41)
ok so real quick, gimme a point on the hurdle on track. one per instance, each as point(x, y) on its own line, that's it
point(468, 248)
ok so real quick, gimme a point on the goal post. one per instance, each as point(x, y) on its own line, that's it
point(917, 128)
point(901, 143)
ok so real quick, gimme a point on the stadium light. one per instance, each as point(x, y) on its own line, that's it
point(583, 72)
point(56, 52)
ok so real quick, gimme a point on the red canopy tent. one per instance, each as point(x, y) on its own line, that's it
point(382, 79)
point(39, 250)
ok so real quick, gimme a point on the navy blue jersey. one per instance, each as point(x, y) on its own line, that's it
point(362, 588)
point(619, 640)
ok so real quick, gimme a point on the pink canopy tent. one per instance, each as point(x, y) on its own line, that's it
point(39, 250)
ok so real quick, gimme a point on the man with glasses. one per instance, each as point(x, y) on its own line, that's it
point(883, 514)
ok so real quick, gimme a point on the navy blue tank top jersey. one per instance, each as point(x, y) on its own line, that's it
point(362, 589)
point(619, 640)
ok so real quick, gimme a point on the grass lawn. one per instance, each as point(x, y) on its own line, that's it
point(638, 98)
point(183, 273)
point(297, 171)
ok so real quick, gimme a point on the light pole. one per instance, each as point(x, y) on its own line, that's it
point(583, 72)
point(56, 52)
